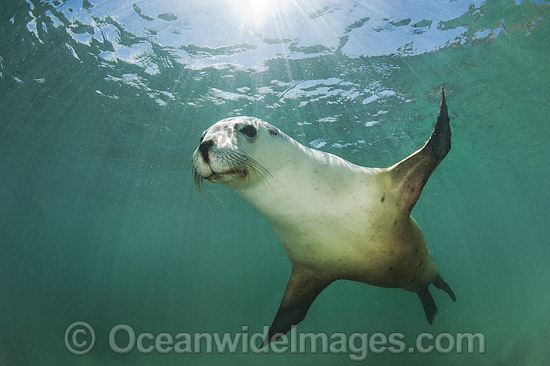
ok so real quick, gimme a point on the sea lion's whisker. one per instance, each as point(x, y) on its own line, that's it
point(239, 160)
point(262, 172)
point(247, 160)
point(198, 180)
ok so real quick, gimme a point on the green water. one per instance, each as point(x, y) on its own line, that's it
point(102, 104)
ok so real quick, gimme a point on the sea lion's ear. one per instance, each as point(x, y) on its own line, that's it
point(412, 173)
point(301, 290)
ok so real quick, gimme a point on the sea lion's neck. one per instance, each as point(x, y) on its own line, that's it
point(306, 182)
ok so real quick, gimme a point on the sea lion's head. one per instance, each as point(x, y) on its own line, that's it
point(236, 151)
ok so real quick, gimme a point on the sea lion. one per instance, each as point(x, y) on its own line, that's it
point(336, 220)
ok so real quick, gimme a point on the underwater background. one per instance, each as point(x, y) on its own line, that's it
point(102, 104)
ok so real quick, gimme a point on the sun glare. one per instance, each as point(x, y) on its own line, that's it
point(256, 11)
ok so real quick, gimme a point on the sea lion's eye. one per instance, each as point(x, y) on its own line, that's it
point(249, 131)
point(202, 136)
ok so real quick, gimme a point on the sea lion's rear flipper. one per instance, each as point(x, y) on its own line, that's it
point(440, 283)
point(301, 290)
point(412, 173)
point(430, 308)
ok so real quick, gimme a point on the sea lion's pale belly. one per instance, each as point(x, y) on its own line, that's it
point(368, 240)
point(395, 259)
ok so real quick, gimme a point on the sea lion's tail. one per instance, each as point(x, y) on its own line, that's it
point(430, 308)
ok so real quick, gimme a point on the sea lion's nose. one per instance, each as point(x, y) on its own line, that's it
point(204, 147)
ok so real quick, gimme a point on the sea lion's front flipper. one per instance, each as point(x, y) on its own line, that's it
point(301, 290)
point(412, 173)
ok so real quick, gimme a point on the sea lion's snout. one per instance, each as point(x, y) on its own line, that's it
point(204, 149)
point(211, 156)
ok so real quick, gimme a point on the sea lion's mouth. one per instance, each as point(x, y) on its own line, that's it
point(243, 167)
point(233, 173)
point(230, 176)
